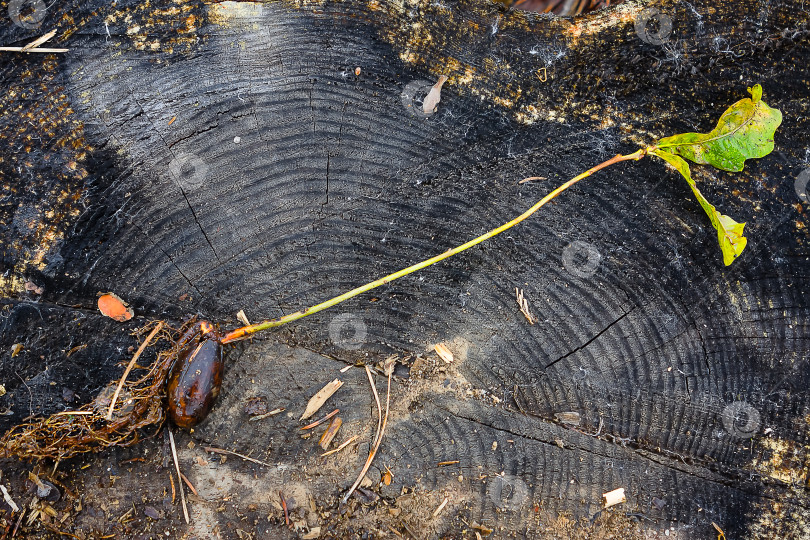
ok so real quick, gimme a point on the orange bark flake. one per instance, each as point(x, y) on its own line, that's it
point(113, 307)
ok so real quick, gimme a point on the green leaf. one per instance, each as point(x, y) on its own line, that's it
point(745, 131)
point(729, 232)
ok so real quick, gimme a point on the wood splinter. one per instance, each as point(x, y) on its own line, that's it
point(34, 45)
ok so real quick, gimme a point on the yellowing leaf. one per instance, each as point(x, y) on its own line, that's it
point(729, 232)
point(745, 131)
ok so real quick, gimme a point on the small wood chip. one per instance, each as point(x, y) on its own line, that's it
point(8, 499)
point(313, 533)
point(532, 179)
point(443, 463)
point(174, 491)
point(317, 401)
point(331, 431)
point(266, 415)
point(16, 349)
point(431, 101)
point(524, 306)
point(443, 352)
point(612, 498)
point(242, 317)
point(345, 369)
point(441, 507)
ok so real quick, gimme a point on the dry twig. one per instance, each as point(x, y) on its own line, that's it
point(317, 423)
point(229, 453)
point(389, 370)
point(179, 477)
point(341, 447)
point(131, 364)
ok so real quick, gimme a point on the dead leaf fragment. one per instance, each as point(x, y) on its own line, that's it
point(30, 286)
point(443, 352)
point(612, 498)
point(317, 401)
point(433, 98)
point(113, 307)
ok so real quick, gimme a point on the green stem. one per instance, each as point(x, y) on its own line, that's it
point(246, 331)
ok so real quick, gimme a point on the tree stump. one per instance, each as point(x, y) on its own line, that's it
point(206, 158)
